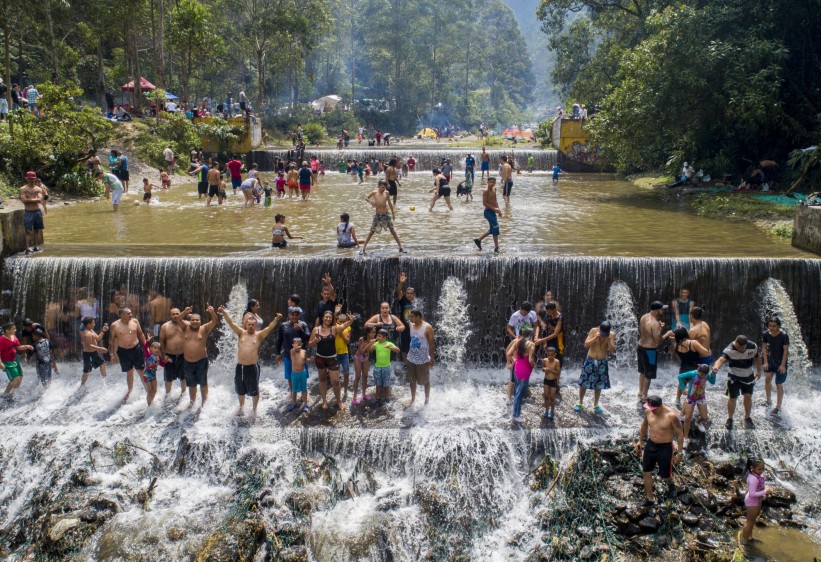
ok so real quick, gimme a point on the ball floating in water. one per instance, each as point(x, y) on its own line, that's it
point(413, 208)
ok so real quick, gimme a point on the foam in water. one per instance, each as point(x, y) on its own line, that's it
point(227, 343)
point(621, 312)
point(452, 325)
point(775, 301)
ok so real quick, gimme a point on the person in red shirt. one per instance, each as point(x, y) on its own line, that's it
point(411, 164)
point(235, 167)
point(9, 346)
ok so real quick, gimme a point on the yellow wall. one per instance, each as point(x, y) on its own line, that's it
point(249, 140)
point(574, 141)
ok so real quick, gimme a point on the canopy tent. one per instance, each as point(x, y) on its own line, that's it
point(326, 103)
point(514, 132)
point(426, 133)
point(145, 86)
point(170, 96)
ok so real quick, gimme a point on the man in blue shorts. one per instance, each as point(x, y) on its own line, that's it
point(287, 333)
point(485, 158)
point(491, 210)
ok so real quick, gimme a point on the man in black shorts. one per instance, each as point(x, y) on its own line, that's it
point(650, 329)
point(662, 423)
point(127, 341)
point(741, 356)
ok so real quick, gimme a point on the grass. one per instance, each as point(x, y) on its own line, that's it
point(740, 207)
point(650, 180)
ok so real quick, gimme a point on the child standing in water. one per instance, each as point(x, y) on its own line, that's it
point(361, 363)
point(696, 386)
point(280, 185)
point(382, 368)
point(9, 346)
point(42, 354)
point(149, 376)
point(299, 376)
point(756, 490)
point(552, 369)
point(267, 190)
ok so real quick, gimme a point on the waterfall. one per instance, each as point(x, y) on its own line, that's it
point(227, 343)
point(426, 158)
point(621, 312)
point(452, 325)
point(775, 301)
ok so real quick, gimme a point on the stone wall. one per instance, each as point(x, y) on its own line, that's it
point(11, 223)
point(807, 229)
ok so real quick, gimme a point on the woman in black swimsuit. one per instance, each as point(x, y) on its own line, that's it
point(323, 337)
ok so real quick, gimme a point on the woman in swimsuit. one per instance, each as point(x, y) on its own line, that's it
point(386, 321)
point(252, 310)
point(279, 232)
point(690, 353)
point(361, 362)
point(327, 366)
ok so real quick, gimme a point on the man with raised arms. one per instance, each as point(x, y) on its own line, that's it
point(127, 341)
point(171, 342)
point(195, 353)
point(246, 375)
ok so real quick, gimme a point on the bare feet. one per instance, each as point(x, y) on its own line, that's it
point(240, 413)
point(127, 395)
point(191, 405)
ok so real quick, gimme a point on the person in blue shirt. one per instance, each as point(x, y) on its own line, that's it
point(556, 171)
point(470, 166)
point(696, 384)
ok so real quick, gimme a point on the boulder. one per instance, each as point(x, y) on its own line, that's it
point(779, 497)
point(649, 525)
point(690, 519)
point(726, 469)
point(61, 525)
point(635, 511)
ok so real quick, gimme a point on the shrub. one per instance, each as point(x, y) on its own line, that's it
point(315, 133)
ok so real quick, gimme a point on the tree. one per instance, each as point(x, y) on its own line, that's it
point(191, 35)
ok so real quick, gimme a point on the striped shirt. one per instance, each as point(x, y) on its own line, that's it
point(741, 363)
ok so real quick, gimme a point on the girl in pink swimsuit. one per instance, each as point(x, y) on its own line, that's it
point(756, 490)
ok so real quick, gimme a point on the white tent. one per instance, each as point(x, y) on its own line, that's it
point(326, 103)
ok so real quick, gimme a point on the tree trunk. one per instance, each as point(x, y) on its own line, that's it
point(160, 44)
point(261, 79)
point(52, 46)
point(7, 62)
point(101, 73)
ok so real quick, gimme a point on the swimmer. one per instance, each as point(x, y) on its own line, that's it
point(552, 369)
point(279, 232)
point(147, 187)
point(441, 189)
point(92, 349)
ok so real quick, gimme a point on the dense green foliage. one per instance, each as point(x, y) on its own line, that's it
point(724, 84)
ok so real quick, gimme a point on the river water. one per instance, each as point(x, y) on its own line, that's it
point(586, 214)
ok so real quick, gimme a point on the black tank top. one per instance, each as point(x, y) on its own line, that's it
point(689, 359)
point(325, 345)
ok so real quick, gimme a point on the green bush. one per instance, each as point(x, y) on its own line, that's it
point(315, 133)
point(544, 134)
point(335, 121)
point(173, 130)
point(79, 183)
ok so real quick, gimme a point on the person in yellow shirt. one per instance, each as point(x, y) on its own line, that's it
point(342, 342)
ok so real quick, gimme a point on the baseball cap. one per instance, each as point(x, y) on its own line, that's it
point(658, 305)
point(294, 309)
point(31, 174)
point(604, 328)
point(652, 403)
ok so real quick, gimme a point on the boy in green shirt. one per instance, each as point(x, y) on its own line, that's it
point(382, 369)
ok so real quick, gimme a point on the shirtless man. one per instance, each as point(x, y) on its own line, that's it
point(172, 341)
point(699, 329)
point(92, 349)
point(246, 375)
point(214, 179)
point(506, 171)
point(650, 329)
point(195, 353)
point(159, 308)
point(663, 423)
point(32, 197)
point(381, 202)
point(127, 341)
point(492, 209)
point(484, 159)
point(595, 376)
point(393, 179)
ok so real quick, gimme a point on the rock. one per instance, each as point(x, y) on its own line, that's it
point(174, 533)
point(88, 515)
point(778, 513)
point(61, 526)
point(293, 554)
point(724, 503)
point(690, 519)
point(705, 498)
point(299, 502)
point(779, 497)
point(719, 481)
point(80, 478)
point(626, 528)
point(726, 469)
point(649, 525)
point(103, 503)
point(792, 524)
point(685, 499)
point(635, 511)
point(290, 533)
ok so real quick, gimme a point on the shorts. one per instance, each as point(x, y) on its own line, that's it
point(443, 192)
point(33, 220)
point(697, 400)
point(551, 383)
point(292, 184)
point(124, 175)
point(202, 188)
point(705, 360)
point(116, 196)
point(13, 369)
point(305, 187)
point(507, 189)
point(485, 166)
point(280, 244)
point(246, 380)
point(213, 190)
point(329, 363)
point(44, 373)
point(418, 374)
point(555, 177)
point(146, 197)
point(392, 187)
point(647, 362)
point(595, 374)
point(222, 193)
point(92, 360)
point(299, 381)
point(381, 222)
point(382, 376)
point(737, 386)
point(196, 373)
point(236, 182)
point(772, 367)
point(132, 358)
point(660, 454)
point(174, 369)
point(493, 222)
point(344, 361)
point(148, 377)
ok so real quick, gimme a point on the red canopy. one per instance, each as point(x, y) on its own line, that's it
point(145, 86)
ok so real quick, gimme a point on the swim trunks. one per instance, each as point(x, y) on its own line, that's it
point(92, 360)
point(550, 383)
point(658, 454)
point(507, 189)
point(444, 191)
point(196, 373)
point(174, 369)
point(13, 369)
point(485, 166)
point(33, 220)
point(381, 222)
point(595, 374)
point(392, 187)
point(418, 374)
point(131, 358)
point(202, 188)
point(738, 386)
point(299, 381)
point(493, 222)
point(246, 380)
point(236, 182)
point(647, 362)
point(382, 376)
point(146, 197)
point(280, 244)
point(305, 186)
point(116, 196)
point(213, 190)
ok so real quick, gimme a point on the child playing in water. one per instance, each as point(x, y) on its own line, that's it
point(153, 354)
point(279, 232)
point(42, 355)
point(696, 385)
point(360, 363)
point(9, 346)
point(165, 181)
point(756, 490)
point(147, 187)
point(299, 376)
point(91, 349)
point(341, 341)
point(267, 190)
point(382, 369)
point(552, 368)
point(280, 185)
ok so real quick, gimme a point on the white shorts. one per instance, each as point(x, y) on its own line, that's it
point(116, 195)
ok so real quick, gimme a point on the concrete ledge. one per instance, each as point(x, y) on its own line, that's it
point(11, 223)
point(807, 229)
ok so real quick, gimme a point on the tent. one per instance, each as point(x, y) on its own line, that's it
point(326, 103)
point(514, 132)
point(427, 132)
point(145, 86)
point(170, 96)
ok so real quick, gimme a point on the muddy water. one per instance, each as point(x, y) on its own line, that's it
point(782, 544)
point(586, 214)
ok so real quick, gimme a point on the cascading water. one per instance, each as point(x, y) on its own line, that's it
point(227, 343)
point(452, 325)
point(775, 301)
point(426, 158)
point(621, 312)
